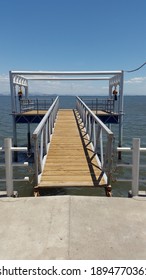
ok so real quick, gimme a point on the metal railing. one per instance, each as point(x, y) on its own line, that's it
point(98, 104)
point(100, 136)
point(9, 164)
point(35, 104)
point(42, 137)
point(135, 150)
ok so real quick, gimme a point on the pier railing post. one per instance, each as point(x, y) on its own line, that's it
point(135, 166)
point(8, 166)
point(36, 159)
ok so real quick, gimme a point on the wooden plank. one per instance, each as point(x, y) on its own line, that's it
point(75, 173)
point(70, 170)
point(65, 152)
point(65, 159)
point(63, 184)
point(59, 167)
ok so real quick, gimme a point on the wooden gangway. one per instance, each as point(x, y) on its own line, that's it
point(99, 136)
point(70, 160)
point(69, 149)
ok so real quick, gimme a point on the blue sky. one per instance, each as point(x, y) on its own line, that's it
point(74, 35)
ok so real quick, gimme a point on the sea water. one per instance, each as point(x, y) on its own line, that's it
point(134, 127)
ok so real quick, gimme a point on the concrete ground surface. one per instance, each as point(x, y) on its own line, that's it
point(72, 227)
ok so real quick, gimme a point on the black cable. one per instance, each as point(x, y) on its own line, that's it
point(136, 68)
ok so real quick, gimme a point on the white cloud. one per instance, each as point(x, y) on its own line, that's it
point(4, 78)
point(135, 86)
point(69, 87)
point(136, 80)
point(4, 84)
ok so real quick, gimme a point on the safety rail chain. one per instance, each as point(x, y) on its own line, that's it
point(136, 150)
point(100, 136)
point(9, 164)
point(41, 137)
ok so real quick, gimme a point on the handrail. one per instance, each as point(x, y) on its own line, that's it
point(135, 150)
point(35, 104)
point(95, 129)
point(42, 136)
point(107, 130)
point(97, 104)
point(8, 165)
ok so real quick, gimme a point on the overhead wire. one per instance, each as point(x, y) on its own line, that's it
point(129, 71)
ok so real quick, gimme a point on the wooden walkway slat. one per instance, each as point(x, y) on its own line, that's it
point(69, 163)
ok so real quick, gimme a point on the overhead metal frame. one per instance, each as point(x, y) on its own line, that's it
point(115, 78)
point(21, 78)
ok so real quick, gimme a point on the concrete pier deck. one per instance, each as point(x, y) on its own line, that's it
point(72, 227)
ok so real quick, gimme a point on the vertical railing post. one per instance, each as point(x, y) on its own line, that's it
point(8, 166)
point(41, 149)
point(36, 159)
point(37, 106)
point(84, 117)
point(51, 122)
point(135, 166)
point(89, 128)
point(46, 137)
point(49, 130)
point(86, 121)
point(101, 148)
point(109, 158)
point(94, 135)
point(96, 105)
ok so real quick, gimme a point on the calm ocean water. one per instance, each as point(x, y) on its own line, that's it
point(134, 127)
